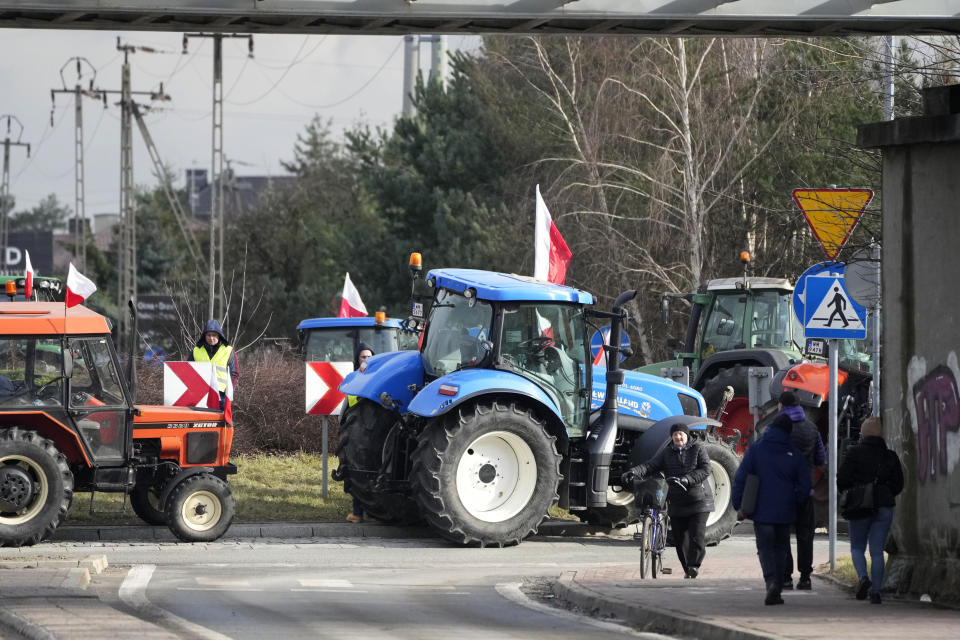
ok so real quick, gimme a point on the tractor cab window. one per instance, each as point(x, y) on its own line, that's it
point(458, 333)
point(31, 372)
point(724, 328)
point(338, 344)
point(545, 344)
point(771, 320)
point(97, 400)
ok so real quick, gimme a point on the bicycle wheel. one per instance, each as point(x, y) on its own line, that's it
point(646, 545)
point(659, 544)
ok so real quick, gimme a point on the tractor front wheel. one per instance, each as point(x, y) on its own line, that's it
point(486, 474)
point(200, 508)
point(36, 487)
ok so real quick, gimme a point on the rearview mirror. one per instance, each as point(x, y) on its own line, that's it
point(67, 363)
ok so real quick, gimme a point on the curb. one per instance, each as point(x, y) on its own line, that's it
point(648, 618)
point(26, 629)
point(160, 533)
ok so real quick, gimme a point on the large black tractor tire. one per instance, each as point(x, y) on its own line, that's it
point(486, 474)
point(36, 487)
point(200, 508)
point(714, 386)
point(723, 466)
point(364, 428)
point(145, 500)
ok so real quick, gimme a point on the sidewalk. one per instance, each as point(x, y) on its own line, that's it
point(726, 601)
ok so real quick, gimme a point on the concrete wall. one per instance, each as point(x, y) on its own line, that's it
point(921, 339)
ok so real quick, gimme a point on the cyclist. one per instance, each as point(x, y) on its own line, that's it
point(687, 461)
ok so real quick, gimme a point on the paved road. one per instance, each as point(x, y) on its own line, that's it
point(349, 588)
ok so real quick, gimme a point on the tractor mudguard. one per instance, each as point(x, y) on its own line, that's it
point(182, 475)
point(397, 373)
point(648, 397)
point(469, 383)
point(658, 435)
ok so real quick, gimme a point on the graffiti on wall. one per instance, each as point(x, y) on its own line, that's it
point(935, 409)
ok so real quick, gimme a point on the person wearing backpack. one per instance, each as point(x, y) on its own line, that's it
point(686, 460)
point(870, 461)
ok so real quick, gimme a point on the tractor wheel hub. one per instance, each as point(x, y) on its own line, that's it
point(16, 488)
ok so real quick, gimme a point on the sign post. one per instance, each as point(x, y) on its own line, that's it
point(323, 398)
point(827, 311)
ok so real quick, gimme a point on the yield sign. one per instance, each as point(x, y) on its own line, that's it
point(832, 214)
point(188, 384)
point(322, 396)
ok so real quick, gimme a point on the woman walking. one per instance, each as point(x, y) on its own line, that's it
point(686, 460)
point(870, 461)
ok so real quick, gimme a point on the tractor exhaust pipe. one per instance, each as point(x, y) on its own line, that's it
point(601, 439)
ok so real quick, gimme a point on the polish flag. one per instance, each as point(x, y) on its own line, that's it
point(27, 276)
point(351, 306)
point(79, 287)
point(551, 255)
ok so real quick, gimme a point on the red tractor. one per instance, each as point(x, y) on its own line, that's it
point(68, 423)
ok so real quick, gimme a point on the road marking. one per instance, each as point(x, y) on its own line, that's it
point(511, 591)
point(222, 582)
point(344, 591)
point(133, 591)
point(218, 589)
point(326, 583)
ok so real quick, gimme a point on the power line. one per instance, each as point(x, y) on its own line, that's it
point(292, 64)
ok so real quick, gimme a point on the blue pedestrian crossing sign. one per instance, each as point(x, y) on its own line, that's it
point(824, 307)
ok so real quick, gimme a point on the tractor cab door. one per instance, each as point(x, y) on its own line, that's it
point(546, 343)
point(97, 401)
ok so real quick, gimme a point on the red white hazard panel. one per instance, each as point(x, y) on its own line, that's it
point(323, 378)
point(190, 384)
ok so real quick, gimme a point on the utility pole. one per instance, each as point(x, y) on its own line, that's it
point(5, 203)
point(127, 267)
point(215, 302)
point(80, 213)
point(411, 66)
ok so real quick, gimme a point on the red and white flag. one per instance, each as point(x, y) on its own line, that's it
point(551, 255)
point(227, 394)
point(351, 306)
point(79, 287)
point(27, 276)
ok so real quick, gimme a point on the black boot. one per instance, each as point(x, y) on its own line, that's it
point(773, 595)
point(863, 587)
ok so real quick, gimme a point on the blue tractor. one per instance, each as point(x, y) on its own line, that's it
point(501, 414)
point(336, 339)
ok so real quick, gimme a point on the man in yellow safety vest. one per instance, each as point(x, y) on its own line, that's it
point(214, 347)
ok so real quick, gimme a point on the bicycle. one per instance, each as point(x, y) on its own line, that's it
point(651, 495)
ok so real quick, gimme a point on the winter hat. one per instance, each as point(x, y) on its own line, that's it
point(872, 426)
point(680, 427)
point(783, 421)
point(788, 399)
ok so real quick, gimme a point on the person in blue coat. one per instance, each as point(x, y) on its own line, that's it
point(784, 483)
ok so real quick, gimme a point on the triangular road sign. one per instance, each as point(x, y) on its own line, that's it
point(832, 214)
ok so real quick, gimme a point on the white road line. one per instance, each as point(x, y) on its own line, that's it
point(326, 583)
point(511, 591)
point(344, 591)
point(225, 589)
point(133, 591)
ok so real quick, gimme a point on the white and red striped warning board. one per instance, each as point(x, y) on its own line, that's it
point(190, 384)
point(322, 397)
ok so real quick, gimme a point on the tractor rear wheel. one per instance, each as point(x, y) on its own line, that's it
point(145, 500)
point(486, 474)
point(36, 487)
point(723, 467)
point(364, 428)
point(200, 508)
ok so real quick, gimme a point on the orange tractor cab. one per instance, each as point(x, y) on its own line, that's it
point(68, 423)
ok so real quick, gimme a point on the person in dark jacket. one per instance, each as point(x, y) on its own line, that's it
point(805, 437)
point(871, 461)
point(686, 460)
point(214, 347)
point(784, 482)
point(362, 352)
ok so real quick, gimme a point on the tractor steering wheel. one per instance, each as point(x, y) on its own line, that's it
point(537, 345)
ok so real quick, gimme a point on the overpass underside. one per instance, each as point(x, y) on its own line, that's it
point(798, 18)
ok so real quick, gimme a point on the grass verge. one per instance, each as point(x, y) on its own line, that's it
point(266, 488)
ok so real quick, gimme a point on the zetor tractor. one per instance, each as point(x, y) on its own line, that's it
point(500, 414)
point(68, 423)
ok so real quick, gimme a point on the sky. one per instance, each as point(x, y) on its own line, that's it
point(268, 100)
